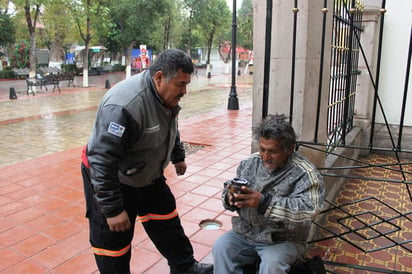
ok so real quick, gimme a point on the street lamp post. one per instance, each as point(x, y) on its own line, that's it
point(233, 103)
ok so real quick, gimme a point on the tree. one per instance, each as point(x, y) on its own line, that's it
point(192, 7)
point(31, 13)
point(85, 13)
point(58, 27)
point(7, 30)
point(245, 25)
point(4, 6)
point(212, 18)
point(171, 24)
point(133, 23)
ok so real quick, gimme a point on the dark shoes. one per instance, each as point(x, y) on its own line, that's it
point(199, 268)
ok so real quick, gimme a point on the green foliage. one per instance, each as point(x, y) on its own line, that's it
point(20, 55)
point(89, 17)
point(117, 25)
point(118, 67)
point(69, 68)
point(7, 30)
point(136, 22)
point(56, 19)
point(245, 25)
point(169, 27)
point(211, 19)
point(7, 74)
point(19, 21)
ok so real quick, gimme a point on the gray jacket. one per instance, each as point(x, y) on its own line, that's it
point(132, 140)
point(292, 197)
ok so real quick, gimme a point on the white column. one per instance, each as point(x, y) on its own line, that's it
point(307, 66)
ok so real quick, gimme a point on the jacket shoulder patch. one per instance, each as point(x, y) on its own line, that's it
point(116, 129)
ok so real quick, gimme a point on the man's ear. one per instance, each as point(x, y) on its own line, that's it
point(157, 78)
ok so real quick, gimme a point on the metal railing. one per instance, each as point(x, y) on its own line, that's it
point(347, 28)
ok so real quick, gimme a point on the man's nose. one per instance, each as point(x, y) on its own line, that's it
point(264, 155)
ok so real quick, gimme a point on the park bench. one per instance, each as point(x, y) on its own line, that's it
point(66, 76)
point(42, 81)
point(21, 73)
point(48, 70)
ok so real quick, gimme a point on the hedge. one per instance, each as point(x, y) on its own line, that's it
point(7, 74)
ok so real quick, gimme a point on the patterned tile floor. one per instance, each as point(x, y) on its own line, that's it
point(371, 221)
point(42, 224)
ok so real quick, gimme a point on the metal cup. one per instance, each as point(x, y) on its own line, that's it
point(236, 184)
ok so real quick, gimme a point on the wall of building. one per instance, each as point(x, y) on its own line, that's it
point(397, 18)
point(307, 68)
point(396, 37)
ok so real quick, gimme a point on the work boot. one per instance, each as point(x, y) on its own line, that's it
point(199, 268)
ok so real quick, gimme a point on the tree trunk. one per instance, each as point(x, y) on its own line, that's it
point(57, 50)
point(33, 53)
point(166, 35)
point(86, 49)
point(129, 60)
point(209, 45)
point(31, 26)
point(86, 66)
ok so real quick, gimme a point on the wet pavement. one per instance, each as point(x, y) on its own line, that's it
point(49, 122)
point(42, 223)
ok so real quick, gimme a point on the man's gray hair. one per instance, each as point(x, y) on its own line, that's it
point(170, 61)
point(276, 127)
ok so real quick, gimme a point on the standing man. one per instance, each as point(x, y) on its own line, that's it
point(134, 138)
point(284, 193)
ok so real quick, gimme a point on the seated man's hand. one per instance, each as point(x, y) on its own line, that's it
point(119, 223)
point(248, 198)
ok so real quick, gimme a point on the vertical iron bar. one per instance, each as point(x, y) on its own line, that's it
point(378, 68)
point(334, 80)
point(268, 43)
point(338, 91)
point(322, 54)
point(331, 89)
point(348, 74)
point(405, 92)
point(292, 80)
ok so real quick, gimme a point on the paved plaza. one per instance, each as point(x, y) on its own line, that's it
point(42, 223)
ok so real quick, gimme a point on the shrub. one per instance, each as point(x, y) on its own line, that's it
point(70, 68)
point(7, 74)
point(119, 67)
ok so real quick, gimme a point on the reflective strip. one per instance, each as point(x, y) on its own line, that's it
point(111, 253)
point(157, 217)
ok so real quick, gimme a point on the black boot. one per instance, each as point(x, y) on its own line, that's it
point(198, 268)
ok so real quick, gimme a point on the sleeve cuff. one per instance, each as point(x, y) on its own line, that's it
point(114, 213)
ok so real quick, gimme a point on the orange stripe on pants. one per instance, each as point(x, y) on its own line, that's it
point(157, 217)
point(111, 253)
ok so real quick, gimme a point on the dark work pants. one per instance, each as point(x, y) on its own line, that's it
point(155, 205)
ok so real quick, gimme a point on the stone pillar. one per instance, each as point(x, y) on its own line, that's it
point(369, 42)
point(307, 66)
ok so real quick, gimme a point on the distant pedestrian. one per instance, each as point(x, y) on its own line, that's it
point(134, 138)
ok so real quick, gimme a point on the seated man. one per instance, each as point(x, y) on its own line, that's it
point(284, 193)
